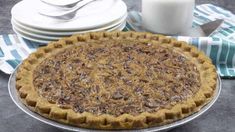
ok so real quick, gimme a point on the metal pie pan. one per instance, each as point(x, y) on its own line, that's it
point(14, 96)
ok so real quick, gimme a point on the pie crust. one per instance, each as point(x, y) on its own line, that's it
point(49, 109)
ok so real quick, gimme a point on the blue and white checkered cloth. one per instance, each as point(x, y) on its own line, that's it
point(220, 46)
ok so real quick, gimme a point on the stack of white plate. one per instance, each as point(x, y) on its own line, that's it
point(101, 15)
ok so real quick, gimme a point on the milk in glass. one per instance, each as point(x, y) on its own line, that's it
point(167, 16)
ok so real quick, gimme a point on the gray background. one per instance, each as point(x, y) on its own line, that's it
point(220, 118)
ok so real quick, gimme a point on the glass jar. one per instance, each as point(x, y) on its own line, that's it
point(167, 16)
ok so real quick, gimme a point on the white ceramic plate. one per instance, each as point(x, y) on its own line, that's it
point(118, 28)
point(64, 33)
point(42, 41)
point(28, 33)
point(89, 17)
point(60, 2)
point(47, 39)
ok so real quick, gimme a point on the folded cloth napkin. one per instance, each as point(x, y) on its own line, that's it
point(220, 46)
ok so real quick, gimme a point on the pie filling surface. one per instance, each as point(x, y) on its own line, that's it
point(116, 77)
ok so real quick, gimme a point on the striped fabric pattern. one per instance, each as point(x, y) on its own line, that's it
point(13, 50)
point(220, 46)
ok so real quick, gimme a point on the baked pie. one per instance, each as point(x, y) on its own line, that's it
point(116, 80)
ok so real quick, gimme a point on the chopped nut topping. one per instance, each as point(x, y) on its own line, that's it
point(116, 77)
point(117, 95)
point(151, 103)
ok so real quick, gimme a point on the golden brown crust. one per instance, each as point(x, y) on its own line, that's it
point(29, 96)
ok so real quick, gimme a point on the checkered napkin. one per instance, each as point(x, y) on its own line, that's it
point(220, 46)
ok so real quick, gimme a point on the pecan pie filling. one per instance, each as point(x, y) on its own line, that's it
point(116, 77)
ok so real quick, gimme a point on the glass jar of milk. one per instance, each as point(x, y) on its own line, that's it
point(167, 16)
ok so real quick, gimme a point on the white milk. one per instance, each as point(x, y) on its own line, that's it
point(167, 16)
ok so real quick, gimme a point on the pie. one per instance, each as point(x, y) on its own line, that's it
point(116, 80)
